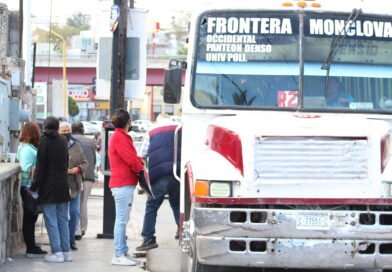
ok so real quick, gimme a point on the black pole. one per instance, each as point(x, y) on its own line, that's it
point(114, 83)
point(122, 45)
point(21, 30)
point(117, 87)
point(33, 72)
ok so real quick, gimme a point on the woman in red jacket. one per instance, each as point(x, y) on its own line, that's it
point(124, 167)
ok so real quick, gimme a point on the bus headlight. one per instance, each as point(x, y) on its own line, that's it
point(220, 188)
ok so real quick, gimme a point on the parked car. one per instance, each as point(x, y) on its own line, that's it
point(90, 128)
point(141, 125)
point(97, 124)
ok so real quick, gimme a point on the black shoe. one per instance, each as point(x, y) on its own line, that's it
point(35, 252)
point(73, 246)
point(83, 233)
point(78, 237)
point(147, 245)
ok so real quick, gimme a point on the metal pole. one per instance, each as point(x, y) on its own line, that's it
point(34, 57)
point(118, 59)
point(122, 45)
point(152, 104)
point(113, 102)
point(21, 29)
point(65, 96)
point(117, 86)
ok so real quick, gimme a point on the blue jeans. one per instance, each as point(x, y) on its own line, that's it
point(165, 185)
point(56, 222)
point(123, 198)
point(74, 214)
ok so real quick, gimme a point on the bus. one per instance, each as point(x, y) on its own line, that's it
point(286, 135)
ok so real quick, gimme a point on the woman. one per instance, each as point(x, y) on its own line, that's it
point(27, 154)
point(50, 181)
point(77, 165)
point(124, 167)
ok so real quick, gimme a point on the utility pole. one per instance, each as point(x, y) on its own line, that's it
point(117, 100)
point(117, 85)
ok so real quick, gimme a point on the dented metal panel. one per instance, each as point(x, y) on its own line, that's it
point(293, 253)
point(277, 223)
point(316, 158)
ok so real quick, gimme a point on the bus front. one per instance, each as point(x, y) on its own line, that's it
point(285, 140)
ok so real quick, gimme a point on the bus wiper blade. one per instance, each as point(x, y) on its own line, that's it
point(335, 45)
point(337, 41)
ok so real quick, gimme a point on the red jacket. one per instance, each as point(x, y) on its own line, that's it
point(124, 163)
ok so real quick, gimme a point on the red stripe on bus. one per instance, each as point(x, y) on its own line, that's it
point(293, 201)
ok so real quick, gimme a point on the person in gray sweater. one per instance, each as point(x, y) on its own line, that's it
point(89, 149)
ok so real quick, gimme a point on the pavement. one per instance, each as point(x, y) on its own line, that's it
point(95, 254)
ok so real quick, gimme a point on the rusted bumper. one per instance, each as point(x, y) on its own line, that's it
point(276, 238)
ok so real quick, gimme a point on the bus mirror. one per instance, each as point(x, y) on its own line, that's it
point(172, 85)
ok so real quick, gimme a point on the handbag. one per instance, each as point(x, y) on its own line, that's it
point(74, 185)
point(144, 182)
point(31, 204)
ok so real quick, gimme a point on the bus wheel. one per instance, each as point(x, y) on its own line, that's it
point(195, 266)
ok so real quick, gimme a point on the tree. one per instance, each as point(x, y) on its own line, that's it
point(80, 21)
point(73, 109)
point(179, 27)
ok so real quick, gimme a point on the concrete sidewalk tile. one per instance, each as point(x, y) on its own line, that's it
point(164, 260)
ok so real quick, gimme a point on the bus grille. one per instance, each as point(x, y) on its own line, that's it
point(316, 158)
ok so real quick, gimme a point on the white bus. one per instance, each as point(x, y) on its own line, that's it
point(287, 117)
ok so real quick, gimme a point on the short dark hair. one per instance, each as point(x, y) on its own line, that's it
point(77, 128)
point(120, 118)
point(51, 123)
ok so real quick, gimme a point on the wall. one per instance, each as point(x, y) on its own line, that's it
point(11, 210)
point(4, 17)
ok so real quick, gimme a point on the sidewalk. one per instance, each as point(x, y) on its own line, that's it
point(95, 254)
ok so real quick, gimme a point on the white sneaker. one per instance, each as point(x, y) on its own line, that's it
point(68, 256)
point(122, 260)
point(132, 258)
point(58, 257)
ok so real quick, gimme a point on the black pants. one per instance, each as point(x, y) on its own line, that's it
point(29, 220)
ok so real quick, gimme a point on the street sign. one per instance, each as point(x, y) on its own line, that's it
point(114, 17)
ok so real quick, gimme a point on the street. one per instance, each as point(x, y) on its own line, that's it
point(236, 269)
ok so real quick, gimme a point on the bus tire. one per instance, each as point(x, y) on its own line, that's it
point(195, 266)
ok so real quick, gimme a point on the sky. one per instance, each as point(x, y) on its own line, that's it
point(159, 10)
point(65, 8)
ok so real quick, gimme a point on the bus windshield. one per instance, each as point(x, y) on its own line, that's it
point(252, 59)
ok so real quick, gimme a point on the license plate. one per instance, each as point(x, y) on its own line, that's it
point(313, 221)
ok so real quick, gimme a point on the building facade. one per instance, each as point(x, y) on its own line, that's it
point(81, 74)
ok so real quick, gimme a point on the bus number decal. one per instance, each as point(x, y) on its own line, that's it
point(287, 99)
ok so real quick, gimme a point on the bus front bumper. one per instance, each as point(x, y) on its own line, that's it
point(290, 253)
